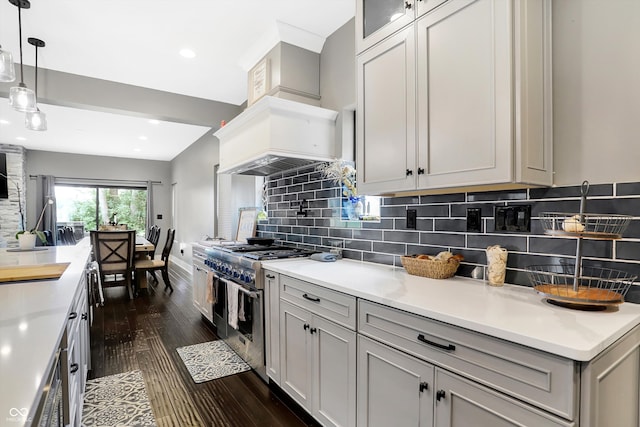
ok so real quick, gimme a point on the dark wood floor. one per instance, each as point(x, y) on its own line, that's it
point(144, 334)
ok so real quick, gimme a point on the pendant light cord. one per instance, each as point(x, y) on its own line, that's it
point(20, 35)
point(36, 88)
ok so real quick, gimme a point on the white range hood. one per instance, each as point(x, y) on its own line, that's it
point(275, 135)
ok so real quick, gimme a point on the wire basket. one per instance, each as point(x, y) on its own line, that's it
point(433, 269)
point(595, 226)
point(594, 286)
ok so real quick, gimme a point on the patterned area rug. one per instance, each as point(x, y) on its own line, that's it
point(117, 400)
point(211, 360)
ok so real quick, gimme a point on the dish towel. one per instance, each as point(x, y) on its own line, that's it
point(212, 286)
point(241, 299)
point(232, 304)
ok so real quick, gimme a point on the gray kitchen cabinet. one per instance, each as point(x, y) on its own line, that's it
point(480, 72)
point(318, 364)
point(424, 395)
point(272, 324)
point(610, 392)
point(394, 389)
point(462, 403)
point(199, 279)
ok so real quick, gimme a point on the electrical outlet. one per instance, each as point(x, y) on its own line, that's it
point(474, 220)
point(512, 218)
point(159, 216)
point(412, 215)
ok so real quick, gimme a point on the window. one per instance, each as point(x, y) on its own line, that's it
point(85, 208)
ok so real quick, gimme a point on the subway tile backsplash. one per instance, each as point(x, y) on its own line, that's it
point(441, 225)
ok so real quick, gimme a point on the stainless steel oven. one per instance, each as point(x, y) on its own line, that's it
point(238, 277)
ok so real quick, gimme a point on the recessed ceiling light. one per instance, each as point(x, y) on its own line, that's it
point(187, 53)
point(137, 150)
point(142, 138)
point(4, 122)
point(154, 122)
point(21, 138)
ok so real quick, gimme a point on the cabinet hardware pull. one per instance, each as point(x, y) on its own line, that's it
point(270, 276)
point(409, 172)
point(313, 330)
point(73, 315)
point(314, 299)
point(306, 326)
point(407, 5)
point(424, 386)
point(420, 170)
point(449, 347)
point(74, 368)
point(440, 394)
point(84, 316)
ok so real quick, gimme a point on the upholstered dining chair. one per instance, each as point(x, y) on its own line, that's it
point(114, 253)
point(162, 264)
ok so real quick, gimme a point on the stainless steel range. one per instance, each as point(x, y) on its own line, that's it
point(238, 309)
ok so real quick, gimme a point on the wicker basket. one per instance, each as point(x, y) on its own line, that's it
point(430, 268)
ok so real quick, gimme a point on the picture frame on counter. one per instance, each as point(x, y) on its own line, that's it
point(246, 223)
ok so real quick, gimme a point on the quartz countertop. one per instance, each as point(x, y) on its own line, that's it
point(514, 313)
point(33, 315)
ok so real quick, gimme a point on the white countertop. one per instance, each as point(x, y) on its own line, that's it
point(514, 313)
point(33, 315)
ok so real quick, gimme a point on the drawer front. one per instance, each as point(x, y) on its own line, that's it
point(333, 305)
point(545, 380)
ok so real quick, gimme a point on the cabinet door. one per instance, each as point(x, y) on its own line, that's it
point(386, 138)
point(200, 292)
point(378, 19)
point(334, 373)
point(295, 353)
point(272, 324)
point(465, 94)
point(394, 389)
point(462, 403)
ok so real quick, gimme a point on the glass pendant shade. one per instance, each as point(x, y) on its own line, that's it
point(36, 120)
point(7, 68)
point(22, 99)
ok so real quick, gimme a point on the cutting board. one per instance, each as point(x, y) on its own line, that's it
point(32, 272)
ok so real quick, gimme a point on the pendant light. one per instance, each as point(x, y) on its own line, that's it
point(21, 97)
point(36, 120)
point(7, 68)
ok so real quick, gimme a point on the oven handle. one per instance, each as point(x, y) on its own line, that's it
point(252, 294)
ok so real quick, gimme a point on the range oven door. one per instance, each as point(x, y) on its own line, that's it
point(248, 339)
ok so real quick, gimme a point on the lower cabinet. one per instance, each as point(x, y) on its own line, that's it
point(200, 271)
point(424, 395)
point(318, 365)
point(394, 389)
point(75, 357)
point(272, 324)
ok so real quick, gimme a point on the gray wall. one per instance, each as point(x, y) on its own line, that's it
point(98, 167)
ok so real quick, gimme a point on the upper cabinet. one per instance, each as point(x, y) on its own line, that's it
point(378, 19)
point(459, 97)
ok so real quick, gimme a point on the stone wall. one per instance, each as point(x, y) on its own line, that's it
point(10, 221)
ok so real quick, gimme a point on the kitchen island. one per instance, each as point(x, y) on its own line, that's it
point(466, 345)
point(33, 320)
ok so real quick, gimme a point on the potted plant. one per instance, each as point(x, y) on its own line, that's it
point(27, 239)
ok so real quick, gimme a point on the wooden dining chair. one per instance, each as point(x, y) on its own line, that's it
point(154, 238)
point(162, 264)
point(114, 253)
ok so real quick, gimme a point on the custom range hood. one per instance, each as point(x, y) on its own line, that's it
point(274, 135)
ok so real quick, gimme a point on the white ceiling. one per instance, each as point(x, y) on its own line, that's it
point(138, 43)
